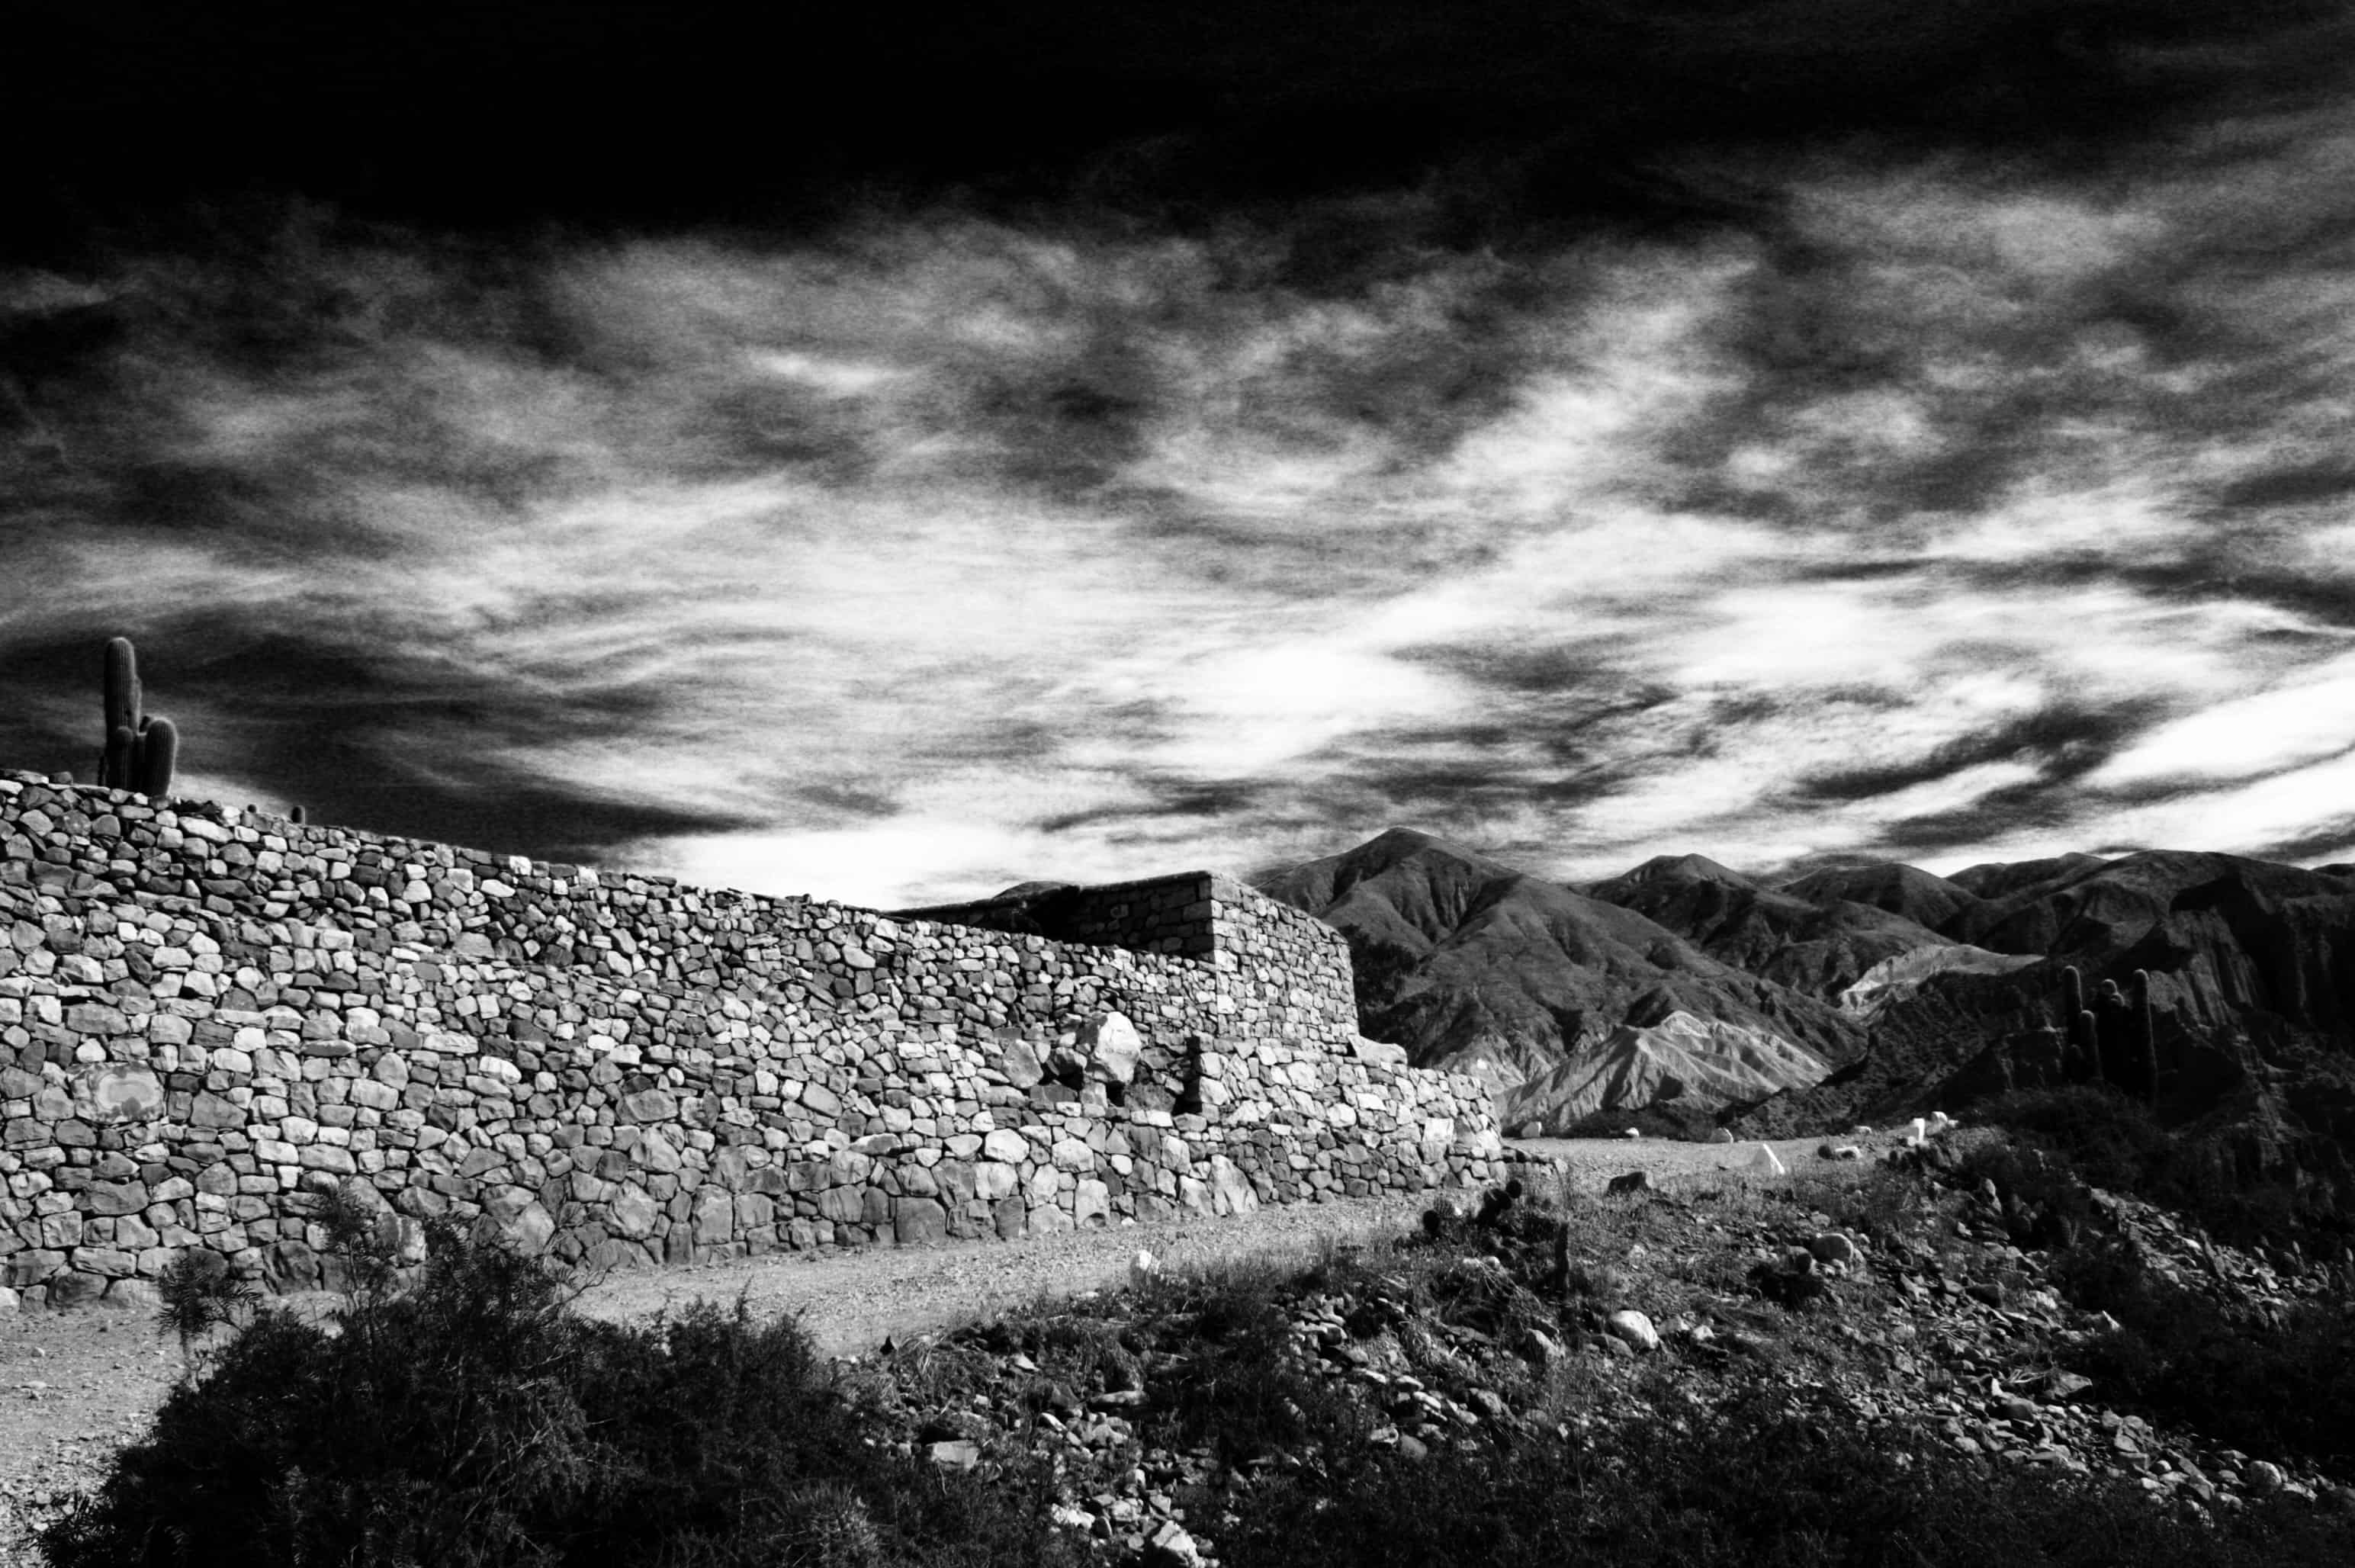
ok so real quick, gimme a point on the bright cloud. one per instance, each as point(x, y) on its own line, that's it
point(1957, 518)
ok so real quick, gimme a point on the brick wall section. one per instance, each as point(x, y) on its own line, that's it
point(206, 1016)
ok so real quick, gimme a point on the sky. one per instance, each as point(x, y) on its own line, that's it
point(892, 460)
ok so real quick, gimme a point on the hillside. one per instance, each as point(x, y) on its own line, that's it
point(1475, 966)
point(1909, 989)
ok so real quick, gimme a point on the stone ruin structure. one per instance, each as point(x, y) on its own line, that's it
point(208, 1017)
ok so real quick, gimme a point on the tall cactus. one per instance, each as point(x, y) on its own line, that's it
point(2076, 1023)
point(139, 751)
point(2146, 1014)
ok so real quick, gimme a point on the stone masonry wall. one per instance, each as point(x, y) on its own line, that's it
point(1163, 914)
point(1287, 974)
point(208, 1017)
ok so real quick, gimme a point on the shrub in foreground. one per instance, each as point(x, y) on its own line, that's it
point(473, 1418)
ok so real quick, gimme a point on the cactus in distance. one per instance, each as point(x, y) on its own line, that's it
point(141, 750)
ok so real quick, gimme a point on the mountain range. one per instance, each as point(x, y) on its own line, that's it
point(2219, 989)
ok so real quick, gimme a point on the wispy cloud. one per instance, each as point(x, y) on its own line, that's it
point(1950, 510)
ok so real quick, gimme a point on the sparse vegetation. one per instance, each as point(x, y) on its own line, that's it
point(2286, 1386)
point(466, 1415)
point(470, 1418)
point(2264, 1381)
point(2112, 1140)
point(1749, 1484)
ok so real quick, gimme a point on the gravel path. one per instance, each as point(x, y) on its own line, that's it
point(850, 1301)
point(75, 1385)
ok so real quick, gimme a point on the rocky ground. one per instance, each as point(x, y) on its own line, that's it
point(1495, 1333)
point(1499, 1331)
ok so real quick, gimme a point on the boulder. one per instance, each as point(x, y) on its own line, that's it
point(1722, 1135)
point(1633, 1329)
point(1634, 1182)
point(1762, 1161)
point(960, 1455)
point(1171, 1547)
point(1836, 1247)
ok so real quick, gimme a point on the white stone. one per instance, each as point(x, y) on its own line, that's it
point(1764, 1161)
point(1633, 1327)
point(1109, 1045)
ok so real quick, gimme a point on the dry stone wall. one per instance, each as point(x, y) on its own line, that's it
point(208, 1017)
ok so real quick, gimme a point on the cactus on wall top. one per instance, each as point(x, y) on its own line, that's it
point(141, 750)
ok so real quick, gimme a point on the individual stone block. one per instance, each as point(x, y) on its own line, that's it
point(715, 1217)
point(657, 1154)
point(516, 1213)
point(117, 1093)
point(919, 1219)
point(633, 1214)
point(1020, 1064)
point(96, 1018)
point(110, 1197)
point(71, 1289)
